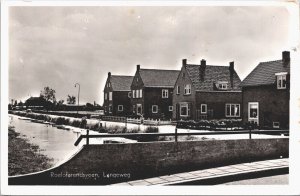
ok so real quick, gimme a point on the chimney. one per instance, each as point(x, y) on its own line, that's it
point(202, 69)
point(138, 67)
point(109, 74)
point(183, 62)
point(286, 58)
point(231, 70)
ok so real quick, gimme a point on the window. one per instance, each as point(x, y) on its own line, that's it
point(253, 110)
point(281, 80)
point(276, 125)
point(154, 108)
point(137, 94)
point(187, 89)
point(120, 108)
point(105, 96)
point(203, 108)
point(222, 85)
point(165, 93)
point(184, 110)
point(133, 93)
point(232, 110)
point(110, 108)
point(141, 93)
point(129, 94)
point(178, 90)
point(110, 96)
point(170, 108)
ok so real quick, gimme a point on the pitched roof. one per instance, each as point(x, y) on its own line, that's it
point(264, 73)
point(212, 75)
point(159, 77)
point(121, 83)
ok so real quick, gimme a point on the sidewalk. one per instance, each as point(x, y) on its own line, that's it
point(212, 173)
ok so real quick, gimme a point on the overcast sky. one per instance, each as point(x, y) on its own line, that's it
point(59, 46)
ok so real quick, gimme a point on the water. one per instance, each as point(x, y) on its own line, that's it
point(55, 143)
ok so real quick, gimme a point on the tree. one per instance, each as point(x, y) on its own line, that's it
point(16, 103)
point(48, 94)
point(60, 102)
point(71, 99)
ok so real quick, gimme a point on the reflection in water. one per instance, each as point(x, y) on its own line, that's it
point(54, 143)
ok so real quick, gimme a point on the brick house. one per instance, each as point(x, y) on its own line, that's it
point(266, 93)
point(152, 91)
point(207, 92)
point(117, 95)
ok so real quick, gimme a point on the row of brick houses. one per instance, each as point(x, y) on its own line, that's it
point(202, 91)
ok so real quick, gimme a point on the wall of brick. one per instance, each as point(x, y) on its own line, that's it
point(217, 102)
point(158, 158)
point(182, 80)
point(273, 104)
point(121, 98)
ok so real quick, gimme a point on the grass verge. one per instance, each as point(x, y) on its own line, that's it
point(23, 157)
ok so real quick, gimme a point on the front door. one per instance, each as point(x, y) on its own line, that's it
point(253, 112)
point(138, 109)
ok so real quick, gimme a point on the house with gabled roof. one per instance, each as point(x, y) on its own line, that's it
point(151, 92)
point(117, 95)
point(266, 93)
point(206, 91)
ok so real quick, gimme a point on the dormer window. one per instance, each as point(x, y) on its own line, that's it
point(222, 85)
point(281, 80)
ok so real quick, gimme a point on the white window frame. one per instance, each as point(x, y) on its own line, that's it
point(232, 104)
point(129, 94)
point(178, 90)
point(253, 119)
point(165, 93)
point(155, 106)
point(137, 94)
point(105, 96)
point(276, 125)
point(110, 96)
point(188, 89)
point(281, 77)
point(170, 108)
point(110, 108)
point(141, 93)
point(133, 93)
point(222, 85)
point(120, 106)
point(182, 105)
point(205, 106)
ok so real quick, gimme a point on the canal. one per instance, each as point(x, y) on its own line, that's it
point(55, 143)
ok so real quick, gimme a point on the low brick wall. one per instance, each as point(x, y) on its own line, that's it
point(116, 162)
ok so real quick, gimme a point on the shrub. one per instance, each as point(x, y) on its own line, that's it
point(61, 121)
point(76, 123)
point(151, 129)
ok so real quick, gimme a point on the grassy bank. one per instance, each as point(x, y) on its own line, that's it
point(23, 157)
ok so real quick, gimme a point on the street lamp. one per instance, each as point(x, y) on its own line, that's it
point(78, 95)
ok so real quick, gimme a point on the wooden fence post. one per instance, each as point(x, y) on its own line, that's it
point(87, 137)
point(176, 134)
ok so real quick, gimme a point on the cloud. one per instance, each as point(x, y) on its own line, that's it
point(59, 46)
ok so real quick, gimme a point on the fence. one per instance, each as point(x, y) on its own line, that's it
point(176, 134)
point(136, 120)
